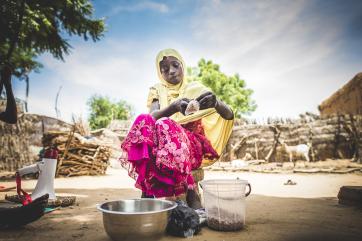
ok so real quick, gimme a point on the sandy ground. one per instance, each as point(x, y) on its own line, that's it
point(306, 211)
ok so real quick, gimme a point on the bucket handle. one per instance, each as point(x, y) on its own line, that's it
point(246, 194)
point(98, 206)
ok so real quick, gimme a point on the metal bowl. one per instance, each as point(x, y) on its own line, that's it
point(136, 219)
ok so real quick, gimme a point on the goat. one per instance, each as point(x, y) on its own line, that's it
point(298, 149)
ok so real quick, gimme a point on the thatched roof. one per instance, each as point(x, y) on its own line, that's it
point(356, 82)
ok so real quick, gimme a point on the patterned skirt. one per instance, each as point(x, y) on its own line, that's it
point(160, 154)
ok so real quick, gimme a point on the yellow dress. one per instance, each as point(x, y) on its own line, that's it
point(217, 129)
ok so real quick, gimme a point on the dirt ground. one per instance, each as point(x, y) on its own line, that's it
point(306, 211)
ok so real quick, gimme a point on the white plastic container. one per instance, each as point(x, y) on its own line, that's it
point(224, 201)
point(45, 184)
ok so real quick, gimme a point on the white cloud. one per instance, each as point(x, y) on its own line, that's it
point(111, 69)
point(289, 60)
point(141, 6)
point(118, 69)
point(280, 53)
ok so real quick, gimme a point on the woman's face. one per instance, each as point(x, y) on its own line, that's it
point(171, 70)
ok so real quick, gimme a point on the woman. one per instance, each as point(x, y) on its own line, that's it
point(163, 147)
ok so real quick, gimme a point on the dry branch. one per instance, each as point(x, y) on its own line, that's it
point(78, 155)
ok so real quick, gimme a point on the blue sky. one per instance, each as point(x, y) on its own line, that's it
point(293, 54)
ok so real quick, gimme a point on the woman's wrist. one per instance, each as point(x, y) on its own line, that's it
point(172, 109)
point(166, 112)
point(217, 104)
point(223, 110)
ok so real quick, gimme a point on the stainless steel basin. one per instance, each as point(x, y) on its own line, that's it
point(136, 219)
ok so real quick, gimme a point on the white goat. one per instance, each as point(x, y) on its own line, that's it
point(298, 149)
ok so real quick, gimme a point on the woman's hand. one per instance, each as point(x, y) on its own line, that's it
point(180, 105)
point(176, 106)
point(207, 100)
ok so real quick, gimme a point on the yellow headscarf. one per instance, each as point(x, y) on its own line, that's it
point(217, 129)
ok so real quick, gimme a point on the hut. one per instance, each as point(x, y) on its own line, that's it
point(346, 100)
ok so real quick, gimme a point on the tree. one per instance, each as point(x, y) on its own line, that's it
point(230, 89)
point(103, 111)
point(23, 63)
point(32, 27)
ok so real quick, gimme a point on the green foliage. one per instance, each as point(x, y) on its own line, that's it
point(32, 27)
point(42, 25)
point(22, 61)
point(230, 89)
point(103, 111)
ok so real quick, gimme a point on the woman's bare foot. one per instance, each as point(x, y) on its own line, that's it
point(193, 199)
point(173, 198)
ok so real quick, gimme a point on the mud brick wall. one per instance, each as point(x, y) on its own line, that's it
point(332, 137)
point(21, 142)
point(335, 136)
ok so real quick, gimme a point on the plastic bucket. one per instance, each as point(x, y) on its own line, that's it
point(224, 201)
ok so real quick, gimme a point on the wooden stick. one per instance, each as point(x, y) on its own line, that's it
point(70, 137)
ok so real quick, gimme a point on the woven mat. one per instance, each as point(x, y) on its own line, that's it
point(60, 201)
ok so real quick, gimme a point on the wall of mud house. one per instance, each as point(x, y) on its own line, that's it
point(333, 137)
point(20, 143)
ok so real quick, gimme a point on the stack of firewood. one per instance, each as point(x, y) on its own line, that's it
point(77, 155)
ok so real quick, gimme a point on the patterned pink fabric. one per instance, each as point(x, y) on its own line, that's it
point(161, 154)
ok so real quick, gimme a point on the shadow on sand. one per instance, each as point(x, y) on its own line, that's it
point(268, 218)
